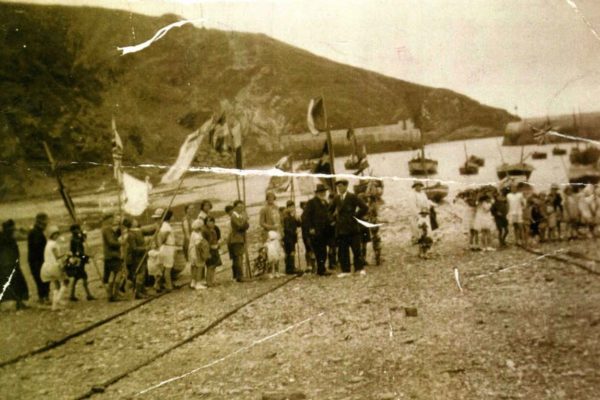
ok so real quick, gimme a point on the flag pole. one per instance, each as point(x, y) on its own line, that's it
point(246, 253)
point(61, 187)
point(329, 145)
point(293, 198)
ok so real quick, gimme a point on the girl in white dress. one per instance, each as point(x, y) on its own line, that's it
point(53, 270)
point(484, 222)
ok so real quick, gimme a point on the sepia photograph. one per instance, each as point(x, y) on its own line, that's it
point(300, 199)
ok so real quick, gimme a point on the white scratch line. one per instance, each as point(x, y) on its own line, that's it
point(256, 342)
point(521, 264)
point(457, 279)
point(562, 135)
point(7, 284)
point(157, 36)
point(572, 4)
point(390, 323)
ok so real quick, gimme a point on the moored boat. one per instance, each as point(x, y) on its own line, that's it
point(558, 151)
point(539, 155)
point(469, 168)
point(479, 161)
point(437, 192)
point(588, 156)
point(421, 166)
point(583, 174)
point(517, 169)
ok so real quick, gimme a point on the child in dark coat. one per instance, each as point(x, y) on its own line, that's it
point(500, 212)
point(290, 236)
point(76, 270)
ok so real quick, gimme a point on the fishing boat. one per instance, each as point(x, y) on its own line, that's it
point(357, 160)
point(437, 192)
point(421, 165)
point(583, 174)
point(539, 155)
point(558, 151)
point(479, 161)
point(517, 169)
point(588, 156)
point(469, 167)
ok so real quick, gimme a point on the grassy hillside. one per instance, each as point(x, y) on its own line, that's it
point(62, 78)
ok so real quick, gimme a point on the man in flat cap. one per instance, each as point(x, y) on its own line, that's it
point(348, 207)
point(316, 221)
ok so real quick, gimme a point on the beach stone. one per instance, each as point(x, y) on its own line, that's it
point(411, 311)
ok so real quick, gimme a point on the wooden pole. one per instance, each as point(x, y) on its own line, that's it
point(293, 198)
point(329, 145)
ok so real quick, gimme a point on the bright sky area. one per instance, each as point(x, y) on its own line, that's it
point(539, 55)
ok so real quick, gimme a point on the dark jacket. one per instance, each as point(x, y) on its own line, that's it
point(9, 265)
point(239, 226)
point(112, 247)
point(316, 216)
point(36, 243)
point(290, 228)
point(346, 211)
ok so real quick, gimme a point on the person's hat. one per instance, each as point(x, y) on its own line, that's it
point(424, 210)
point(320, 188)
point(197, 224)
point(290, 203)
point(75, 227)
point(417, 183)
point(158, 213)
point(342, 182)
point(52, 229)
point(554, 186)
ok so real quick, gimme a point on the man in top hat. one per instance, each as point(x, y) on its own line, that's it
point(317, 222)
point(348, 207)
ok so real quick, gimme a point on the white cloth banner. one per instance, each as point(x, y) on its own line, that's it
point(187, 152)
point(135, 195)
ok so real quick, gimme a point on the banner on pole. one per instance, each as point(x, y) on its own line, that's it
point(187, 152)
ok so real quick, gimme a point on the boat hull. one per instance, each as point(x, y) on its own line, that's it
point(557, 151)
point(520, 169)
point(424, 166)
point(539, 156)
point(480, 162)
point(469, 169)
point(583, 175)
point(437, 192)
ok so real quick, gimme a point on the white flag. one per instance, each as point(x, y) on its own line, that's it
point(135, 193)
point(187, 152)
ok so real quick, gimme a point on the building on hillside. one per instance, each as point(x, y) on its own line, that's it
point(402, 135)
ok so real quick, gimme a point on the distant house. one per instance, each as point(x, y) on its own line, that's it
point(403, 133)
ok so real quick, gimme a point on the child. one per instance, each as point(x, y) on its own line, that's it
point(557, 203)
point(587, 209)
point(571, 213)
point(535, 218)
point(53, 270)
point(484, 222)
point(516, 204)
point(212, 235)
point(500, 211)
point(198, 252)
point(290, 236)
point(424, 241)
point(78, 268)
point(167, 247)
point(275, 253)
point(552, 230)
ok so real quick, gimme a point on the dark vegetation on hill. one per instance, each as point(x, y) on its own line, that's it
point(62, 78)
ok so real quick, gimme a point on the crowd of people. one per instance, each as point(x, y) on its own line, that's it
point(531, 215)
point(139, 259)
point(331, 227)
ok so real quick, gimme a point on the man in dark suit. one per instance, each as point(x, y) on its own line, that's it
point(347, 230)
point(316, 221)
